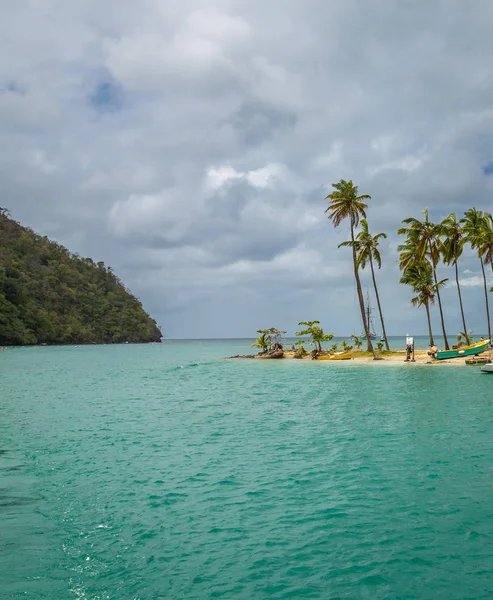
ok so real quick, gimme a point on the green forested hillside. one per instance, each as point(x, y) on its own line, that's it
point(48, 295)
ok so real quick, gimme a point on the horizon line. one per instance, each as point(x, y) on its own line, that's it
point(209, 339)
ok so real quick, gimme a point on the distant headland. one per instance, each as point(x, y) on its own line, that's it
point(50, 296)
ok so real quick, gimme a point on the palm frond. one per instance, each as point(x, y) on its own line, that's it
point(344, 202)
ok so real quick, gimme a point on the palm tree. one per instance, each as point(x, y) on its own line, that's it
point(367, 251)
point(357, 341)
point(474, 223)
point(346, 203)
point(317, 333)
point(486, 240)
point(425, 236)
point(419, 276)
point(452, 248)
point(262, 342)
point(464, 338)
point(407, 254)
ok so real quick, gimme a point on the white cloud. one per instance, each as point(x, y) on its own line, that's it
point(407, 163)
point(151, 214)
point(475, 281)
point(263, 177)
point(143, 60)
point(219, 176)
point(214, 25)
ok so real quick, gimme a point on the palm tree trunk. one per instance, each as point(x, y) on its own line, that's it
point(441, 312)
point(460, 302)
point(360, 297)
point(486, 298)
point(378, 304)
point(432, 341)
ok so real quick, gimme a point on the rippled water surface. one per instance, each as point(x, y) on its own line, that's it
point(162, 471)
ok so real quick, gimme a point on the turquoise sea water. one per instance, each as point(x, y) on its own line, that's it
point(163, 471)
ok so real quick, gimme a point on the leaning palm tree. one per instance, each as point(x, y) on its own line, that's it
point(452, 248)
point(346, 203)
point(367, 251)
point(425, 235)
point(419, 276)
point(474, 223)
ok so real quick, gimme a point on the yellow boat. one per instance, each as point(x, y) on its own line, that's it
point(340, 356)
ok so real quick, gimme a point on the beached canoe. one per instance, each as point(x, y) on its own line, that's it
point(340, 356)
point(471, 350)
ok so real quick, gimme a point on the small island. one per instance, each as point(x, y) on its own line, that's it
point(51, 296)
point(270, 345)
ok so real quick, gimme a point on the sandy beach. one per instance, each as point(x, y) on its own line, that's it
point(391, 358)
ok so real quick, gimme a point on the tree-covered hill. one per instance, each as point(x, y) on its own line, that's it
point(48, 295)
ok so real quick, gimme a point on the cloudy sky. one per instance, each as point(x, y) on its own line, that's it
point(190, 146)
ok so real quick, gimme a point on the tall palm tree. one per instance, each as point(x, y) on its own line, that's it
point(426, 237)
point(474, 224)
point(407, 254)
point(344, 202)
point(486, 240)
point(419, 276)
point(452, 248)
point(486, 243)
point(367, 251)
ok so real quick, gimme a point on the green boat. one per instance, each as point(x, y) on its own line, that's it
point(471, 350)
point(478, 360)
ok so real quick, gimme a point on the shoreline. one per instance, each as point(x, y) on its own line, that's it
point(392, 357)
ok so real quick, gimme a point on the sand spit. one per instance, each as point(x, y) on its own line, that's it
point(393, 357)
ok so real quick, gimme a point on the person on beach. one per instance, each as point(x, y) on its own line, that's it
point(433, 352)
point(409, 349)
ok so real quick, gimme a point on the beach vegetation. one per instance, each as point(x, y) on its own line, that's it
point(419, 276)
point(424, 243)
point(464, 338)
point(315, 332)
point(301, 350)
point(367, 252)
point(268, 338)
point(345, 202)
point(485, 246)
point(261, 342)
point(357, 341)
point(474, 224)
point(452, 249)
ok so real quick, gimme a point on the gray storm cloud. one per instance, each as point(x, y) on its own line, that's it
point(191, 147)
